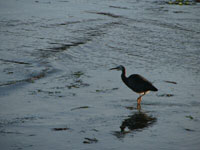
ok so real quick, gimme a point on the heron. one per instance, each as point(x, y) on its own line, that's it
point(137, 83)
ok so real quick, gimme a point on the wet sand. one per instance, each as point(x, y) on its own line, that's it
point(56, 89)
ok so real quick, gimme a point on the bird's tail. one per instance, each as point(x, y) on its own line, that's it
point(154, 88)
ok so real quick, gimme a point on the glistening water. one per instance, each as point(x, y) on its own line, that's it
point(56, 89)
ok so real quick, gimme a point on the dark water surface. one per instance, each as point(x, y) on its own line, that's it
point(56, 90)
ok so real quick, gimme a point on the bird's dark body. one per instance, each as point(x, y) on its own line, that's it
point(138, 83)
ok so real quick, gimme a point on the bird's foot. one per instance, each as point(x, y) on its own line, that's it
point(138, 107)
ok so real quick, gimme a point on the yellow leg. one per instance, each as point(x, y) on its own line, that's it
point(138, 107)
point(139, 100)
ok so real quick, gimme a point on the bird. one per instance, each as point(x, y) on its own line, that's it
point(137, 83)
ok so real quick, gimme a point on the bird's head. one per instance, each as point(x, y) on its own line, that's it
point(118, 68)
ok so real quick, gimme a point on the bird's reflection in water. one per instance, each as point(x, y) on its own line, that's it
point(136, 122)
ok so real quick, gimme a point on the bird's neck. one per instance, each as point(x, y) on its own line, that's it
point(123, 76)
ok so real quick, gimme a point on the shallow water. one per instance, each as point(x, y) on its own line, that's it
point(56, 90)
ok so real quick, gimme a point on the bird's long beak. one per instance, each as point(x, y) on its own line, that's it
point(113, 68)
